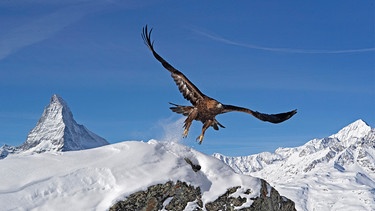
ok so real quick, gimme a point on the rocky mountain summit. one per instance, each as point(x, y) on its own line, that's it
point(56, 130)
point(341, 163)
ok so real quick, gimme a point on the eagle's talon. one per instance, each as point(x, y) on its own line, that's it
point(200, 139)
point(185, 134)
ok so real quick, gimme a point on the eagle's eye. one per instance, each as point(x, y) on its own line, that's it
point(219, 105)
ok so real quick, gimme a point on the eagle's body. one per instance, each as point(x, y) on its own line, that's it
point(204, 108)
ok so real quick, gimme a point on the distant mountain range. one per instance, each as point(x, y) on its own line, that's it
point(332, 173)
point(56, 130)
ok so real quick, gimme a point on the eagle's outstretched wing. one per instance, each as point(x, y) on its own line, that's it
point(274, 118)
point(186, 87)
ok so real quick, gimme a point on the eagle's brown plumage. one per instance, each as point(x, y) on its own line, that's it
point(203, 108)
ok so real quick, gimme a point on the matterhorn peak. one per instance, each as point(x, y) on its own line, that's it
point(56, 99)
point(56, 110)
point(57, 130)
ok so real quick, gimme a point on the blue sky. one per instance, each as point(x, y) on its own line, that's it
point(270, 56)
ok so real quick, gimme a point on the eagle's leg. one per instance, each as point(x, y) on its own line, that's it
point(186, 127)
point(206, 125)
point(187, 123)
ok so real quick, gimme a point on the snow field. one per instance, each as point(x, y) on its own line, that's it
point(95, 179)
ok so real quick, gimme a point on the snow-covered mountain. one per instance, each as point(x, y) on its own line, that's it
point(57, 130)
point(332, 173)
point(95, 179)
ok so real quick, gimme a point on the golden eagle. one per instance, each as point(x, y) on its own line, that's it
point(203, 108)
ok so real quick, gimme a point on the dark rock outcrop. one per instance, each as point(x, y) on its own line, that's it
point(5, 150)
point(271, 201)
point(195, 167)
point(170, 196)
point(226, 202)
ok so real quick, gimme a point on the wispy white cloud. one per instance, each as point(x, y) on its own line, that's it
point(284, 50)
point(39, 28)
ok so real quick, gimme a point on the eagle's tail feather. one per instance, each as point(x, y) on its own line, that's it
point(184, 110)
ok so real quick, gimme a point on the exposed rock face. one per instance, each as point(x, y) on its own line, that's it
point(271, 200)
point(226, 201)
point(168, 196)
point(195, 167)
point(181, 196)
point(5, 150)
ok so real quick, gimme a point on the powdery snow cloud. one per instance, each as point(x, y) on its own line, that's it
point(172, 130)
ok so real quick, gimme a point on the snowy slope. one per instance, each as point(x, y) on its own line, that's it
point(333, 173)
point(96, 178)
point(57, 130)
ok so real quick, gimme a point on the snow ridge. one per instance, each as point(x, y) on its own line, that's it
point(95, 179)
point(57, 130)
point(341, 163)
